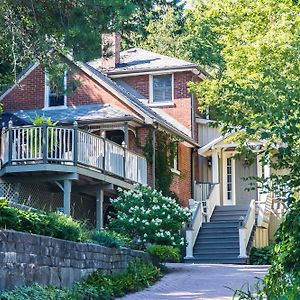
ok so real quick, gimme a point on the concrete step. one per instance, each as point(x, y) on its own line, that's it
point(229, 218)
point(230, 234)
point(221, 224)
point(216, 261)
point(217, 251)
point(230, 213)
point(232, 207)
point(216, 244)
point(228, 238)
point(213, 230)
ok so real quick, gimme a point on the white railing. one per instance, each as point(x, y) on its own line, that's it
point(202, 190)
point(212, 200)
point(264, 206)
point(70, 145)
point(60, 144)
point(246, 228)
point(114, 158)
point(90, 149)
point(193, 230)
point(4, 147)
point(26, 143)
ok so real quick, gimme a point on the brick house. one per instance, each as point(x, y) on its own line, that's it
point(122, 102)
point(93, 149)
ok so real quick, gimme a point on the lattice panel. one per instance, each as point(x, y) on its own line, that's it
point(8, 191)
point(39, 196)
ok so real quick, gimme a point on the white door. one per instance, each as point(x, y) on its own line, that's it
point(228, 179)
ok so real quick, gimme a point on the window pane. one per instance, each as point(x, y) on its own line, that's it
point(162, 88)
point(56, 91)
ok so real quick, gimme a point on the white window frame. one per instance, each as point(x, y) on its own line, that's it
point(47, 93)
point(226, 201)
point(160, 103)
point(176, 162)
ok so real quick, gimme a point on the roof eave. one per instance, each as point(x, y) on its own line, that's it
point(125, 73)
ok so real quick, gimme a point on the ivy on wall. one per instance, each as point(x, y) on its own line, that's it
point(165, 151)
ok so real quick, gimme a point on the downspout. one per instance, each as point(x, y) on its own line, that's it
point(192, 174)
point(153, 157)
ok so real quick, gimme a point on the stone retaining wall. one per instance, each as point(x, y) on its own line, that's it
point(27, 258)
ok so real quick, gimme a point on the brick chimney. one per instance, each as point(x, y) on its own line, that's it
point(111, 45)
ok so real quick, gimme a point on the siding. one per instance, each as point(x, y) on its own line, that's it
point(206, 134)
point(242, 171)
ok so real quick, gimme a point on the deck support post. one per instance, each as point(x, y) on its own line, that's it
point(99, 208)
point(67, 197)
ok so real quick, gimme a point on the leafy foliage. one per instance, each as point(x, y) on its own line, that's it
point(164, 253)
point(109, 239)
point(49, 224)
point(96, 287)
point(146, 216)
point(261, 256)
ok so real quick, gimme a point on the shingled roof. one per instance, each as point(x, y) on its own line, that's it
point(81, 114)
point(140, 60)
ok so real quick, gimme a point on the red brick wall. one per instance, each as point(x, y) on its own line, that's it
point(140, 83)
point(30, 93)
point(182, 109)
point(181, 184)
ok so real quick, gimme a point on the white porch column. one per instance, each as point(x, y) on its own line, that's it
point(67, 197)
point(99, 208)
point(215, 166)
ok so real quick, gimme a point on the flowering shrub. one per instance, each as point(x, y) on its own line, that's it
point(148, 217)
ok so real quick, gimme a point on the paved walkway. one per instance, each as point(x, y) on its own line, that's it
point(200, 281)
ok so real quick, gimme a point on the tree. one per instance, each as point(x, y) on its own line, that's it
point(256, 91)
point(30, 28)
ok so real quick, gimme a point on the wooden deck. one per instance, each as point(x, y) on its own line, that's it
point(68, 150)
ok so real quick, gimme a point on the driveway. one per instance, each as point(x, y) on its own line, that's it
point(201, 281)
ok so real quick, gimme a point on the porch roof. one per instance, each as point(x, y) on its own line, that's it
point(81, 114)
point(222, 142)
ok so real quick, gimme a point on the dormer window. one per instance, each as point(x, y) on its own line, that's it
point(162, 89)
point(55, 91)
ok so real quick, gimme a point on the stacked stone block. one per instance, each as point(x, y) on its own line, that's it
point(28, 258)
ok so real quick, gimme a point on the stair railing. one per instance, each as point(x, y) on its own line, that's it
point(245, 229)
point(201, 214)
point(193, 228)
point(212, 200)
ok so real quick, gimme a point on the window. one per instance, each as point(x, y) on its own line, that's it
point(175, 161)
point(55, 91)
point(161, 88)
point(229, 178)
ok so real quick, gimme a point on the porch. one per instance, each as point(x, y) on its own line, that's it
point(69, 160)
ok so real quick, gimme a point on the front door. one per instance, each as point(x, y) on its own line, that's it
point(228, 179)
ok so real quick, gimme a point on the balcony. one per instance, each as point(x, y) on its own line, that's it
point(60, 147)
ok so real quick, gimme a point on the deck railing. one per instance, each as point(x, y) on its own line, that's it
point(71, 146)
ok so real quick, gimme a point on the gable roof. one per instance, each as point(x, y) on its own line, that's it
point(81, 114)
point(146, 113)
point(137, 60)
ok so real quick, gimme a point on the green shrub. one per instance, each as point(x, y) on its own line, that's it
point(105, 238)
point(163, 253)
point(146, 216)
point(261, 256)
point(96, 287)
point(51, 224)
point(138, 276)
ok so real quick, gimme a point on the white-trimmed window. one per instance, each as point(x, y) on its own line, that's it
point(175, 161)
point(162, 88)
point(56, 91)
